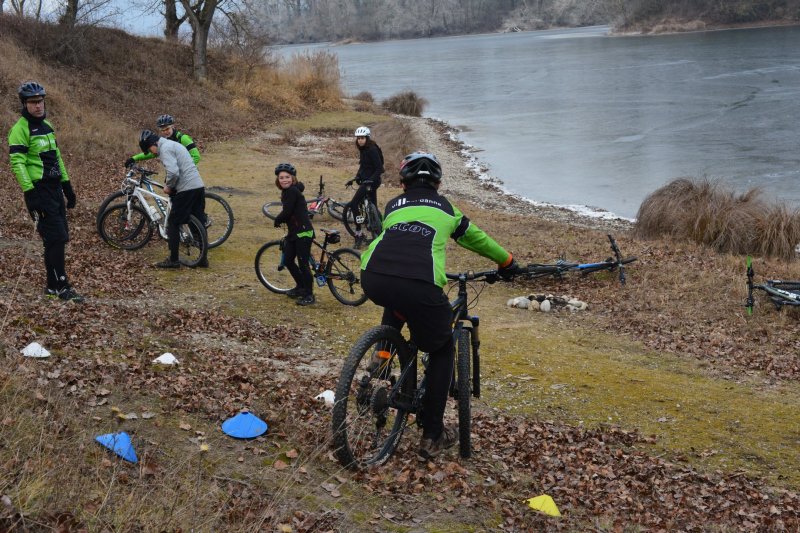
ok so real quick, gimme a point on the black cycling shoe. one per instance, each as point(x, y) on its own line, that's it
point(294, 293)
point(68, 294)
point(307, 299)
point(168, 263)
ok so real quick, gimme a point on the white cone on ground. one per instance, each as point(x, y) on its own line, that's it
point(36, 350)
point(327, 396)
point(165, 359)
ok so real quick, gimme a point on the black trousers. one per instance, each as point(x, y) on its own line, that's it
point(54, 230)
point(359, 195)
point(426, 309)
point(184, 205)
point(296, 253)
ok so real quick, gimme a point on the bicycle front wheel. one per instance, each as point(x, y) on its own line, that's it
point(193, 242)
point(373, 398)
point(374, 221)
point(464, 393)
point(104, 205)
point(124, 227)
point(270, 269)
point(219, 219)
point(344, 277)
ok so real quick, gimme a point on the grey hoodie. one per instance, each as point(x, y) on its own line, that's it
point(182, 174)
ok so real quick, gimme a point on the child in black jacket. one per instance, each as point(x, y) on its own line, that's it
point(297, 245)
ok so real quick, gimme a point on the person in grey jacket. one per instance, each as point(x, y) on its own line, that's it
point(184, 186)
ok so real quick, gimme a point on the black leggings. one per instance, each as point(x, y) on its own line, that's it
point(358, 197)
point(426, 310)
point(296, 253)
point(184, 205)
point(54, 231)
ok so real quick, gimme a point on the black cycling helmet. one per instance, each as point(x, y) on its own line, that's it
point(165, 120)
point(29, 89)
point(420, 165)
point(147, 139)
point(286, 167)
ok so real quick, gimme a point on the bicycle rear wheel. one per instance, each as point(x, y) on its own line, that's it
point(464, 396)
point(270, 269)
point(373, 400)
point(193, 242)
point(125, 228)
point(364, 217)
point(336, 209)
point(219, 219)
point(344, 277)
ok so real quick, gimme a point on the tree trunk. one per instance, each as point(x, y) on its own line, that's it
point(171, 21)
point(70, 13)
point(200, 17)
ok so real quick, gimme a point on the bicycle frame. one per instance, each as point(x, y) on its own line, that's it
point(778, 296)
point(142, 189)
point(318, 267)
point(561, 266)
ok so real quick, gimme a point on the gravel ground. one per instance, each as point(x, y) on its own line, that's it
point(461, 182)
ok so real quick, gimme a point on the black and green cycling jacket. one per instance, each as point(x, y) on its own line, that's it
point(34, 154)
point(177, 137)
point(413, 243)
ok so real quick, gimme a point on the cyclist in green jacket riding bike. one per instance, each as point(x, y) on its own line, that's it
point(36, 162)
point(403, 270)
point(166, 128)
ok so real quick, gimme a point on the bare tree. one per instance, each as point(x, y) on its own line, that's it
point(172, 22)
point(200, 16)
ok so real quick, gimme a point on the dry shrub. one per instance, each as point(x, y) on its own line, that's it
point(316, 78)
point(396, 139)
point(365, 96)
point(707, 212)
point(405, 103)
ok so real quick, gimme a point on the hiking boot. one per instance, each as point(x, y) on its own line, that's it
point(168, 263)
point(294, 293)
point(68, 294)
point(430, 448)
point(306, 299)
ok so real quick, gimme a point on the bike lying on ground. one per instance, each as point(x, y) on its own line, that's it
point(129, 225)
point(219, 215)
point(562, 267)
point(373, 402)
point(364, 217)
point(340, 269)
point(779, 292)
point(316, 206)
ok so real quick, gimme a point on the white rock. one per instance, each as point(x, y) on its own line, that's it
point(533, 306)
point(510, 302)
point(545, 306)
point(36, 350)
point(521, 302)
point(571, 308)
point(165, 359)
point(327, 396)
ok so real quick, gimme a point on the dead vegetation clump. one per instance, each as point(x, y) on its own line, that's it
point(405, 103)
point(707, 212)
point(397, 139)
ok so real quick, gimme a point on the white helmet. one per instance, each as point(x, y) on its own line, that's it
point(362, 131)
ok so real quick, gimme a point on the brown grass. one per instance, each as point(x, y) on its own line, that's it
point(397, 140)
point(405, 103)
point(707, 212)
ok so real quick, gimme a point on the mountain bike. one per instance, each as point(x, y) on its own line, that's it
point(562, 267)
point(316, 206)
point(129, 225)
point(219, 215)
point(779, 292)
point(365, 215)
point(373, 402)
point(340, 269)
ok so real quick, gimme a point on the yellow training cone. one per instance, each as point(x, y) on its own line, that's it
point(545, 504)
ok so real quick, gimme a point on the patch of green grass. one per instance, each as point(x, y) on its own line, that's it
point(583, 377)
point(335, 121)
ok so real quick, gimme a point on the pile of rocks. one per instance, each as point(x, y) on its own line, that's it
point(547, 303)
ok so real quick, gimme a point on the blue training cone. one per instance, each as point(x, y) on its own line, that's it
point(120, 444)
point(244, 426)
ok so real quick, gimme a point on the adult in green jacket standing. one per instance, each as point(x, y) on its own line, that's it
point(36, 162)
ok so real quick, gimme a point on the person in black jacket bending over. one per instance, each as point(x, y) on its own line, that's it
point(370, 169)
point(297, 245)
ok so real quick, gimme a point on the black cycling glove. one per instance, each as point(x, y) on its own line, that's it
point(129, 162)
point(507, 272)
point(69, 194)
point(349, 183)
point(32, 203)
